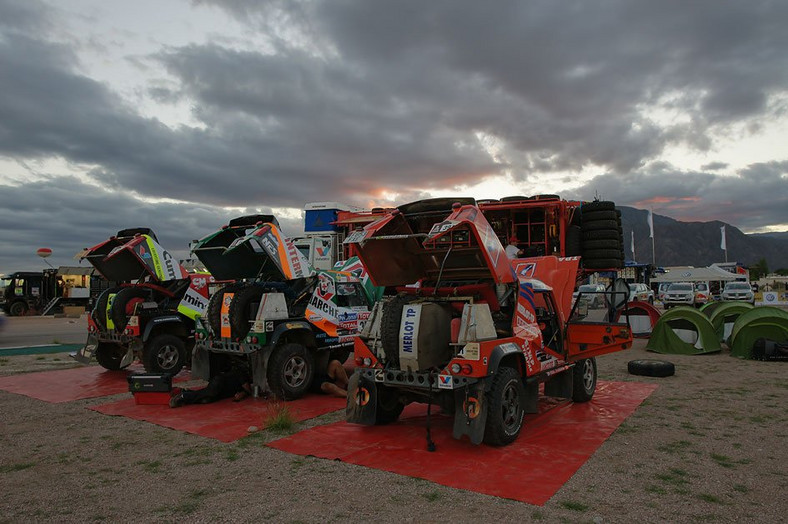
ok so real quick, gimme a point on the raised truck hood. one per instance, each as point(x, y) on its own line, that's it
point(247, 249)
point(558, 274)
point(412, 242)
point(124, 259)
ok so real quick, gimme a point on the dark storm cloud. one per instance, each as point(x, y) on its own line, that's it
point(755, 196)
point(67, 215)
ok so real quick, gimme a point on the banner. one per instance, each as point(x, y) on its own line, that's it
point(722, 242)
point(651, 223)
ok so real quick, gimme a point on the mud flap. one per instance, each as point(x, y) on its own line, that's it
point(470, 412)
point(362, 400)
point(201, 363)
point(559, 385)
point(128, 358)
point(85, 354)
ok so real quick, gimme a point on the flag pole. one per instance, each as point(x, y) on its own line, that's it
point(653, 242)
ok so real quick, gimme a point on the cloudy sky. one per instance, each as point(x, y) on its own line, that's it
point(179, 115)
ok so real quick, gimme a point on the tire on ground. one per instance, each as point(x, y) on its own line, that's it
point(390, 326)
point(109, 355)
point(119, 311)
point(291, 370)
point(241, 313)
point(651, 368)
point(17, 309)
point(584, 380)
point(164, 353)
point(504, 408)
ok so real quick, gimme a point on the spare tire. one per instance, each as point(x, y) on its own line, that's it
point(120, 311)
point(99, 312)
point(573, 244)
point(214, 311)
point(596, 225)
point(241, 311)
point(602, 214)
point(602, 244)
point(390, 324)
point(601, 234)
point(598, 205)
point(651, 368)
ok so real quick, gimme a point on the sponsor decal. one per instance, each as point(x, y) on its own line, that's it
point(225, 315)
point(469, 351)
point(378, 375)
point(347, 316)
point(318, 304)
point(352, 326)
point(526, 270)
point(444, 381)
point(409, 329)
point(355, 237)
point(325, 289)
point(346, 338)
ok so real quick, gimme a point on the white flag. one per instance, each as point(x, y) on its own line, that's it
point(651, 223)
point(633, 245)
point(722, 242)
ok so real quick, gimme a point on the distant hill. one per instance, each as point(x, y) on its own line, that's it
point(698, 243)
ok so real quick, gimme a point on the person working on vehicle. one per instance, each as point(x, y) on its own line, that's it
point(333, 382)
point(233, 383)
point(512, 251)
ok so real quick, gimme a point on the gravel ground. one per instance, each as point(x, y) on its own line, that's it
point(708, 445)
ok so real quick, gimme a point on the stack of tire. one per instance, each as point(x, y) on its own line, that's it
point(602, 237)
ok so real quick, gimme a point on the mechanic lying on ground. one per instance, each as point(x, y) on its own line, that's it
point(333, 382)
point(234, 383)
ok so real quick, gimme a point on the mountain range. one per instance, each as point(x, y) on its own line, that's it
point(697, 244)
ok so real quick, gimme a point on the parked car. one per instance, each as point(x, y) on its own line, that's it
point(641, 292)
point(679, 294)
point(738, 291)
point(593, 294)
point(702, 293)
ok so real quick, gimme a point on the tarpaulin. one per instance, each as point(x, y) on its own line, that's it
point(224, 420)
point(551, 447)
point(66, 385)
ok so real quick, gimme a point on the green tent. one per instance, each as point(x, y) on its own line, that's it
point(760, 322)
point(683, 330)
point(709, 308)
point(725, 315)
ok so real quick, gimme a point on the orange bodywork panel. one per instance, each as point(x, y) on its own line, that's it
point(592, 340)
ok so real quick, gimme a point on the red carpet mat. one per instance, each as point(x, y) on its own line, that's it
point(551, 448)
point(65, 385)
point(224, 420)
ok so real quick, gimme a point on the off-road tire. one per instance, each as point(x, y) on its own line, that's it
point(118, 311)
point(390, 325)
point(584, 380)
point(17, 309)
point(165, 353)
point(214, 311)
point(99, 312)
point(651, 368)
point(110, 355)
point(240, 315)
point(389, 407)
point(596, 225)
point(602, 234)
point(601, 244)
point(603, 214)
point(598, 205)
point(291, 370)
point(504, 408)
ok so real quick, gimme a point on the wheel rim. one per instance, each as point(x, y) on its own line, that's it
point(588, 375)
point(510, 407)
point(295, 371)
point(17, 309)
point(167, 356)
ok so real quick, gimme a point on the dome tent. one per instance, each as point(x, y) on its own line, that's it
point(765, 322)
point(709, 308)
point(724, 316)
point(642, 318)
point(683, 331)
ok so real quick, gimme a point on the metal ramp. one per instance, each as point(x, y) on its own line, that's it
point(52, 303)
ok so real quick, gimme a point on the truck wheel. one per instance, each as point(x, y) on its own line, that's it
point(291, 369)
point(123, 305)
point(99, 312)
point(584, 380)
point(109, 355)
point(651, 368)
point(17, 309)
point(505, 411)
point(164, 354)
point(390, 326)
point(389, 406)
point(241, 311)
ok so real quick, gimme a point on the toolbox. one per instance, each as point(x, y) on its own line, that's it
point(151, 389)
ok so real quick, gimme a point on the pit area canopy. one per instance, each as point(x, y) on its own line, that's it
point(695, 274)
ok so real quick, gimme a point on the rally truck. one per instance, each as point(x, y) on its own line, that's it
point(468, 329)
point(287, 319)
point(150, 314)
